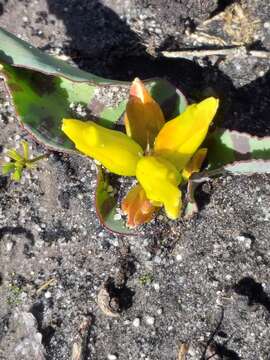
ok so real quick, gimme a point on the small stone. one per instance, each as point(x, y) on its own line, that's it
point(159, 311)
point(157, 260)
point(136, 322)
point(9, 246)
point(48, 294)
point(150, 320)
point(246, 241)
point(112, 357)
point(156, 286)
point(179, 257)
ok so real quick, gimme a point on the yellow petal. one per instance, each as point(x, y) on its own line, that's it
point(160, 180)
point(194, 165)
point(137, 207)
point(181, 137)
point(143, 117)
point(115, 150)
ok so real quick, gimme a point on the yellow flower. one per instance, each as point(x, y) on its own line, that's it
point(115, 150)
point(161, 154)
point(160, 180)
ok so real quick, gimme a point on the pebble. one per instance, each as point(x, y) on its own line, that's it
point(247, 242)
point(159, 311)
point(179, 257)
point(156, 286)
point(157, 260)
point(112, 357)
point(9, 246)
point(48, 294)
point(150, 320)
point(136, 322)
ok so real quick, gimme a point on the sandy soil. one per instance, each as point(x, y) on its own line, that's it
point(204, 282)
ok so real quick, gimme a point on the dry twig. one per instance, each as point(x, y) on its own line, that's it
point(237, 51)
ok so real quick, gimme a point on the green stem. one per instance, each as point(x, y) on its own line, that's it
point(36, 159)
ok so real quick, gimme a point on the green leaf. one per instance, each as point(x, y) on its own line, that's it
point(16, 176)
point(14, 155)
point(42, 100)
point(25, 149)
point(17, 52)
point(8, 167)
point(191, 206)
point(245, 167)
point(227, 146)
point(249, 167)
point(106, 206)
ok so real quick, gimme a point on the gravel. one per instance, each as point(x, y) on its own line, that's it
point(209, 275)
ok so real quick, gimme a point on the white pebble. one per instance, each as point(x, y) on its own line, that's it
point(9, 246)
point(156, 286)
point(136, 322)
point(157, 259)
point(244, 240)
point(150, 320)
point(179, 257)
point(48, 294)
point(112, 357)
point(159, 311)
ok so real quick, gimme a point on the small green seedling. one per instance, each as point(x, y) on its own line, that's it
point(146, 279)
point(19, 162)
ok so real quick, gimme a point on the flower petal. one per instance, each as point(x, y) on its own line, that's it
point(137, 207)
point(195, 163)
point(115, 150)
point(180, 138)
point(143, 117)
point(160, 180)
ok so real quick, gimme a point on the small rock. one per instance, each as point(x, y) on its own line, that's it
point(157, 260)
point(159, 311)
point(156, 286)
point(136, 322)
point(150, 320)
point(48, 294)
point(9, 246)
point(179, 257)
point(246, 241)
point(112, 357)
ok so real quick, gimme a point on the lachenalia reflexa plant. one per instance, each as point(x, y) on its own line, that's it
point(162, 155)
point(168, 146)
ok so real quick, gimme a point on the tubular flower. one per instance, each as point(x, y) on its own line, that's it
point(160, 154)
point(160, 180)
point(137, 207)
point(115, 150)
